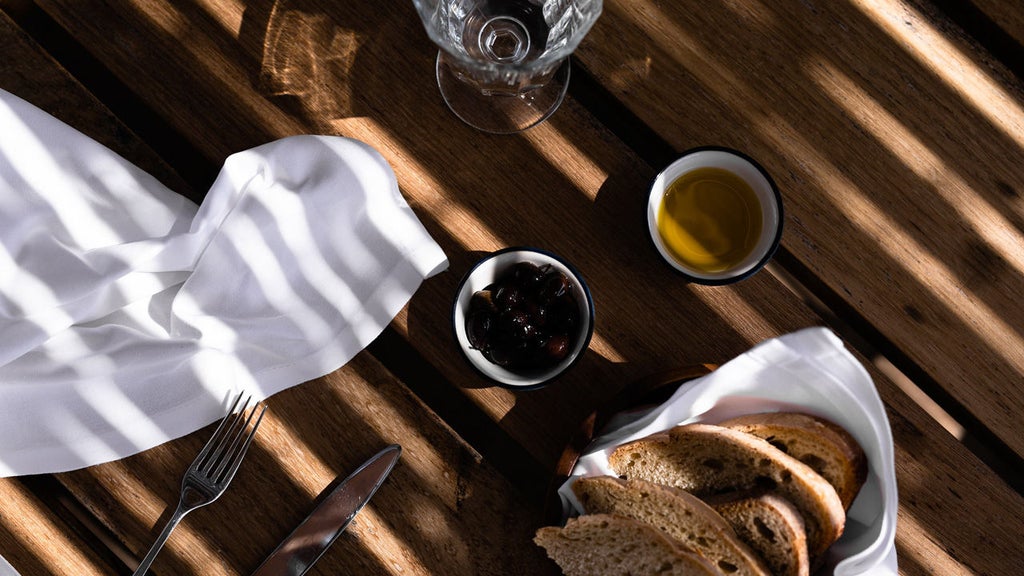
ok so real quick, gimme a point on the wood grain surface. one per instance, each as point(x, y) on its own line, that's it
point(442, 510)
point(226, 76)
point(35, 539)
point(895, 144)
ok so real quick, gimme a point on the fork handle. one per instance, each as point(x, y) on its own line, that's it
point(179, 513)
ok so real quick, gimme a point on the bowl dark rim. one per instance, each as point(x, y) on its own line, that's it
point(576, 276)
point(776, 241)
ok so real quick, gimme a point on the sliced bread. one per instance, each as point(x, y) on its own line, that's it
point(821, 444)
point(704, 459)
point(608, 545)
point(771, 526)
point(676, 512)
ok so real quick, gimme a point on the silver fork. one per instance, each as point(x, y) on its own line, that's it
point(213, 469)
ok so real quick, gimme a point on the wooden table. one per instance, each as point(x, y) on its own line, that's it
point(895, 130)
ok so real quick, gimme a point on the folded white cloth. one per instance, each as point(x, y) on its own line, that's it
point(6, 569)
point(807, 371)
point(128, 315)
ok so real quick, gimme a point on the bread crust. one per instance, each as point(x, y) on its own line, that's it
point(771, 526)
point(609, 545)
point(705, 459)
point(820, 443)
point(676, 512)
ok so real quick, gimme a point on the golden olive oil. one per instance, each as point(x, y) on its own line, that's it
point(709, 219)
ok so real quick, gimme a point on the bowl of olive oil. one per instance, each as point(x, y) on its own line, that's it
point(715, 215)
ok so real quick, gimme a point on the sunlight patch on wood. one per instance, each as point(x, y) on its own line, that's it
point(919, 396)
point(296, 458)
point(565, 157)
point(932, 273)
point(985, 221)
point(730, 305)
point(40, 537)
point(165, 16)
point(474, 234)
point(961, 74)
point(917, 547)
point(228, 13)
point(603, 347)
point(390, 548)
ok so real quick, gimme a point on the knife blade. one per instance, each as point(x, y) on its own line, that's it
point(310, 539)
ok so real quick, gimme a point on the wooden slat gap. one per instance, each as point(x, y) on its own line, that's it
point(840, 316)
point(191, 166)
point(467, 419)
point(475, 427)
point(856, 330)
point(989, 34)
point(80, 521)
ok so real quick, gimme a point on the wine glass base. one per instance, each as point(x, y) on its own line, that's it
point(501, 114)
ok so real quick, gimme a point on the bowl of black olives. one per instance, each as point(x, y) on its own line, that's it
point(522, 316)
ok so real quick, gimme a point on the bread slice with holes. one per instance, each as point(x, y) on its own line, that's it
point(771, 526)
point(821, 444)
point(609, 545)
point(676, 512)
point(705, 460)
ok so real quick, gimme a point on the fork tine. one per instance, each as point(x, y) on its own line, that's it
point(236, 457)
point(222, 454)
point(216, 438)
point(227, 442)
point(233, 448)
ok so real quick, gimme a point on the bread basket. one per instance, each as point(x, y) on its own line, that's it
point(809, 371)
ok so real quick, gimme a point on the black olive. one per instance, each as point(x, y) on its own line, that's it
point(482, 300)
point(527, 275)
point(526, 319)
point(555, 286)
point(515, 325)
point(508, 296)
point(563, 316)
point(538, 314)
point(478, 328)
point(501, 355)
point(557, 347)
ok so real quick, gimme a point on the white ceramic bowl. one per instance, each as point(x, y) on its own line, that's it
point(484, 273)
point(758, 179)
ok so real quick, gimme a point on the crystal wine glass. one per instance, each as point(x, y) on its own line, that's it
point(503, 65)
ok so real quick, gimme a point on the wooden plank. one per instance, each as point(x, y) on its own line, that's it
point(585, 177)
point(31, 74)
point(36, 541)
point(995, 24)
point(1006, 15)
point(895, 144)
point(37, 535)
point(585, 180)
point(441, 511)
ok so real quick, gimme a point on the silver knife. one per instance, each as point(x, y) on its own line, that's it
point(308, 542)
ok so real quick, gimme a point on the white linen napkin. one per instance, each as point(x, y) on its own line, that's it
point(808, 371)
point(128, 315)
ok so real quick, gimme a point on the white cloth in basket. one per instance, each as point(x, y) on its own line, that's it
point(809, 371)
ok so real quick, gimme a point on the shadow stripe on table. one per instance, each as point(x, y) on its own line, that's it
point(80, 521)
point(455, 408)
point(846, 321)
point(189, 165)
point(482, 433)
point(854, 328)
point(991, 35)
